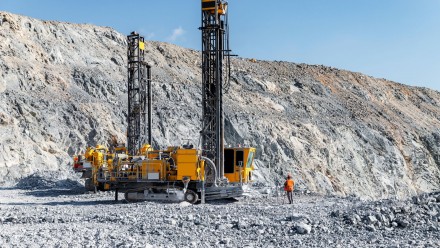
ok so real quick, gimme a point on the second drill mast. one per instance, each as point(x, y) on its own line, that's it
point(215, 49)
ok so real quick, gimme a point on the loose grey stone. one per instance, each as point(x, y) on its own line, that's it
point(371, 228)
point(303, 228)
point(370, 219)
point(402, 223)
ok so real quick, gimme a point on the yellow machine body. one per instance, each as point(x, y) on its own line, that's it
point(238, 164)
point(91, 163)
point(209, 5)
point(187, 161)
point(173, 164)
point(88, 155)
point(153, 169)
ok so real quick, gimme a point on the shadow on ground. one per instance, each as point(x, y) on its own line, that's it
point(66, 203)
point(222, 201)
point(56, 192)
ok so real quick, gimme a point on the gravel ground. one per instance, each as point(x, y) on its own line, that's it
point(60, 217)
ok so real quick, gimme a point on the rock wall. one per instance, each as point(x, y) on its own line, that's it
point(62, 88)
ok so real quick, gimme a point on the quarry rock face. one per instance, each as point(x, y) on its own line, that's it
point(63, 88)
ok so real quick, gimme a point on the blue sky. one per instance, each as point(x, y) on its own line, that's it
point(394, 39)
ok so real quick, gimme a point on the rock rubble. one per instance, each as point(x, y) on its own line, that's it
point(50, 180)
point(64, 217)
point(421, 212)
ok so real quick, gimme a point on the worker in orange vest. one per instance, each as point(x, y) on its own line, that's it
point(289, 185)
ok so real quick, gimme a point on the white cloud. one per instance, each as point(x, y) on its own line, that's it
point(176, 34)
point(150, 36)
point(147, 35)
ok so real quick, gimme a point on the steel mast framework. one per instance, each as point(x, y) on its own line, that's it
point(214, 51)
point(139, 95)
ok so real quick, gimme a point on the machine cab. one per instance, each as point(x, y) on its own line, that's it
point(238, 164)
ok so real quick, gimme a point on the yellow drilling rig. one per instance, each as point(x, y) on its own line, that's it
point(179, 172)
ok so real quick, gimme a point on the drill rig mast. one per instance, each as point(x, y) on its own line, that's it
point(215, 49)
point(139, 95)
point(178, 172)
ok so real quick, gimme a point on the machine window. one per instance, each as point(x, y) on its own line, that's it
point(229, 161)
point(250, 159)
point(239, 161)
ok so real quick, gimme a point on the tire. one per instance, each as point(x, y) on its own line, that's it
point(191, 196)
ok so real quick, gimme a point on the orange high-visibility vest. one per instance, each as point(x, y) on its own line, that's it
point(289, 185)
